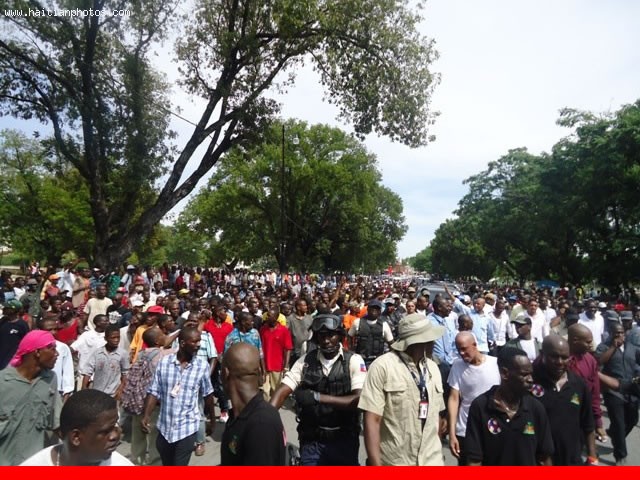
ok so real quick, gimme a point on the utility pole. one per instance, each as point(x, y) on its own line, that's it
point(282, 246)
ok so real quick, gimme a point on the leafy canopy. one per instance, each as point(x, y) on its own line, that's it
point(92, 82)
point(337, 215)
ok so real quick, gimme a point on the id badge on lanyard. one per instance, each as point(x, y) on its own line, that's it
point(423, 410)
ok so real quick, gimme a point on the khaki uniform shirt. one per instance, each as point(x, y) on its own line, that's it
point(391, 392)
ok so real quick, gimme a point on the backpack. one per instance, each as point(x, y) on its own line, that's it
point(139, 379)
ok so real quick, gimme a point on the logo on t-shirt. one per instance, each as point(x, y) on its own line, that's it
point(493, 426)
point(537, 390)
point(529, 429)
point(233, 445)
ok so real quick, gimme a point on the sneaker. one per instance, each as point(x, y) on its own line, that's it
point(224, 417)
point(199, 449)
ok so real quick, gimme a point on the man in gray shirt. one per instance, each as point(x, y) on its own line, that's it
point(108, 365)
point(298, 324)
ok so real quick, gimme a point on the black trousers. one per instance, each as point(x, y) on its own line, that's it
point(175, 454)
point(623, 416)
point(462, 460)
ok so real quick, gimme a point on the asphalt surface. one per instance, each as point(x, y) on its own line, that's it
point(212, 453)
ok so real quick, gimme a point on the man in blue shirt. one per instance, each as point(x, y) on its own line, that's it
point(178, 380)
point(245, 333)
point(444, 348)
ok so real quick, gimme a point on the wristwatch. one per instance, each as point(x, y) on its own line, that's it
point(316, 396)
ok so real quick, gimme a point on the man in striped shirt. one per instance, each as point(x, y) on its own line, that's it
point(178, 381)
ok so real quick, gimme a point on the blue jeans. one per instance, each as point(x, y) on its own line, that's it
point(336, 452)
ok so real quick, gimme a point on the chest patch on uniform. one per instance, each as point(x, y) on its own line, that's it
point(537, 390)
point(493, 426)
point(575, 399)
point(529, 429)
point(233, 445)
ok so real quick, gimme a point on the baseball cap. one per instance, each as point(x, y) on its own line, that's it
point(602, 305)
point(137, 303)
point(522, 320)
point(611, 316)
point(626, 315)
point(130, 267)
point(411, 289)
point(15, 304)
point(389, 300)
point(375, 303)
point(155, 309)
point(395, 295)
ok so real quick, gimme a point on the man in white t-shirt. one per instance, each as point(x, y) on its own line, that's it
point(593, 320)
point(90, 434)
point(525, 340)
point(539, 324)
point(471, 375)
point(97, 306)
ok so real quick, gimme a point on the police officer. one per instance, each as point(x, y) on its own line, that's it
point(370, 333)
point(326, 384)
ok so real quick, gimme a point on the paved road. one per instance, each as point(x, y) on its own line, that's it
point(212, 454)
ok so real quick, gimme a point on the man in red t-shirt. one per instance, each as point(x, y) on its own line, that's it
point(219, 329)
point(277, 346)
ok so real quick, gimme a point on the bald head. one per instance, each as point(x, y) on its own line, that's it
point(580, 339)
point(577, 331)
point(555, 355)
point(553, 343)
point(468, 348)
point(153, 337)
point(465, 338)
point(242, 360)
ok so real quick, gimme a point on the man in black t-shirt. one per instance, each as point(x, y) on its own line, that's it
point(255, 435)
point(506, 425)
point(567, 402)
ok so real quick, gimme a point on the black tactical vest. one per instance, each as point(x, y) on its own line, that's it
point(370, 339)
point(323, 422)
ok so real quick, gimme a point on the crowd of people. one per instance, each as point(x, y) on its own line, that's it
point(508, 376)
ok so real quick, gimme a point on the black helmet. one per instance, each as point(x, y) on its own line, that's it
point(327, 321)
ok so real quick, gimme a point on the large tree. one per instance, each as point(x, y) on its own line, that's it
point(91, 80)
point(45, 204)
point(308, 197)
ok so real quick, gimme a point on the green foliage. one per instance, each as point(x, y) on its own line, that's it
point(45, 204)
point(337, 215)
point(91, 81)
point(572, 215)
point(421, 262)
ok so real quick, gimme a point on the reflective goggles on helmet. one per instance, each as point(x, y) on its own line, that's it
point(326, 321)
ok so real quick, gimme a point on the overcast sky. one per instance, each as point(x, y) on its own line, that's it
point(507, 68)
